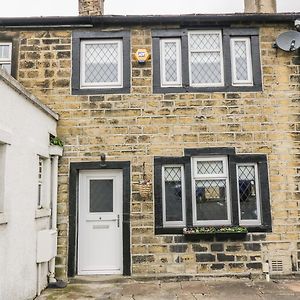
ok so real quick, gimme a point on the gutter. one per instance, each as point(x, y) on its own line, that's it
point(140, 20)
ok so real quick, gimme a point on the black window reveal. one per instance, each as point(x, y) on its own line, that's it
point(101, 62)
point(206, 60)
point(218, 188)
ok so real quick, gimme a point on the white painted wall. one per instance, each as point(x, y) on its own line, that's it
point(25, 127)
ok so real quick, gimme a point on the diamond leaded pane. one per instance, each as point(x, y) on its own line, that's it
point(241, 64)
point(102, 63)
point(210, 167)
point(211, 200)
point(172, 174)
point(206, 67)
point(170, 57)
point(204, 41)
point(247, 192)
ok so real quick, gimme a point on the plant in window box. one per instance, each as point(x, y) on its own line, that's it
point(56, 146)
point(199, 230)
point(219, 231)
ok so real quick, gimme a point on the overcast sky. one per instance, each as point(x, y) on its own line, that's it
point(19, 8)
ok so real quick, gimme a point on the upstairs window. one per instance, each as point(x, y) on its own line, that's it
point(225, 60)
point(241, 61)
point(170, 61)
point(205, 58)
point(5, 56)
point(101, 62)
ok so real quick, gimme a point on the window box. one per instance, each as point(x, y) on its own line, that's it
point(220, 233)
point(210, 60)
point(56, 150)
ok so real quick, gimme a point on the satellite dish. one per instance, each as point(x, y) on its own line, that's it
point(288, 41)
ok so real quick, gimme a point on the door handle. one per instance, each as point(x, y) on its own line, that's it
point(118, 223)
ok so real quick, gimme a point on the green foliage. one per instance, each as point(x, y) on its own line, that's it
point(213, 230)
point(56, 141)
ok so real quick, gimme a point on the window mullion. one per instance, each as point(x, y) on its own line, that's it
point(233, 190)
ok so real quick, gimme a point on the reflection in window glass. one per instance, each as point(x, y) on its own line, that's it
point(211, 202)
point(173, 194)
point(247, 192)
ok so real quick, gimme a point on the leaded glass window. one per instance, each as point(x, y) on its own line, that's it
point(173, 195)
point(170, 62)
point(5, 56)
point(211, 202)
point(241, 61)
point(206, 58)
point(101, 63)
point(248, 194)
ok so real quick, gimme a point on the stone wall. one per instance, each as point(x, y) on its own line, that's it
point(141, 125)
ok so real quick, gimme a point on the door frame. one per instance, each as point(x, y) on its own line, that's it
point(73, 210)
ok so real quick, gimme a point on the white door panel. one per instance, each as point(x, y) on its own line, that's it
point(100, 222)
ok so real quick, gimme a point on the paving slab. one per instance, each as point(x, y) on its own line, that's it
point(202, 289)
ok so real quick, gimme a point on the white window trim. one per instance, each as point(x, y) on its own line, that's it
point(224, 176)
point(206, 51)
point(117, 84)
point(258, 198)
point(235, 81)
point(164, 82)
point(45, 183)
point(174, 223)
point(6, 60)
point(41, 182)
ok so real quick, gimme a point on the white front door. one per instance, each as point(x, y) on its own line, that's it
point(100, 247)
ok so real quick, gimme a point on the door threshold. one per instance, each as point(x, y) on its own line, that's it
point(115, 278)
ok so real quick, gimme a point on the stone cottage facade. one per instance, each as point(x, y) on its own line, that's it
point(185, 139)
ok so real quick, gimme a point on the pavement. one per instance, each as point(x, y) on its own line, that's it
point(103, 288)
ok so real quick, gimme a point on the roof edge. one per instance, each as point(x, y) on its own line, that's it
point(19, 88)
point(74, 21)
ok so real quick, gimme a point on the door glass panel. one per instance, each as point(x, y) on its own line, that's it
point(101, 195)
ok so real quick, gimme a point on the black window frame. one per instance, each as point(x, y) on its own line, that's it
point(233, 160)
point(227, 34)
point(77, 37)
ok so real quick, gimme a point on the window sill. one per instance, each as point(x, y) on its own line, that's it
point(3, 219)
point(190, 89)
point(97, 91)
point(42, 213)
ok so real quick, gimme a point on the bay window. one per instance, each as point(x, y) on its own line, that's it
point(211, 187)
